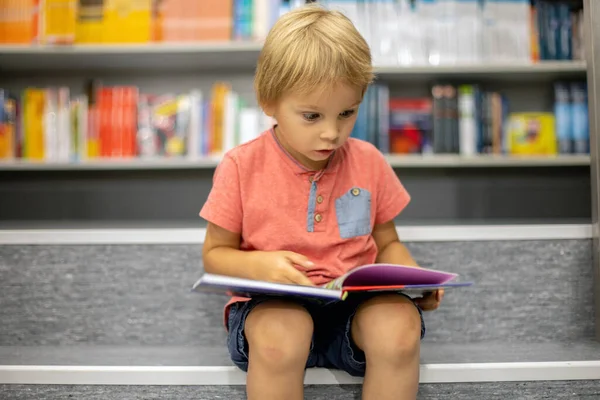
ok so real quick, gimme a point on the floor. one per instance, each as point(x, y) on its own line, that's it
point(572, 390)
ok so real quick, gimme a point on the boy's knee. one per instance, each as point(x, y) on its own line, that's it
point(388, 328)
point(279, 335)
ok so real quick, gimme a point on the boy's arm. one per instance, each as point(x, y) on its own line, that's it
point(389, 248)
point(221, 254)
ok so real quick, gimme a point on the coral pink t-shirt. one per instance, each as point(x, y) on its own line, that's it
point(261, 192)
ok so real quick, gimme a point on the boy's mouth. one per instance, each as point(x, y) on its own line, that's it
point(324, 153)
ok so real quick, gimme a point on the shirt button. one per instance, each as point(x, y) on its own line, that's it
point(319, 199)
point(318, 217)
point(355, 191)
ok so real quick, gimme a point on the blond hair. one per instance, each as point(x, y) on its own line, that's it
point(310, 47)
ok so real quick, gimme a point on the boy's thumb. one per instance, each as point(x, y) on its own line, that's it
point(299, 259)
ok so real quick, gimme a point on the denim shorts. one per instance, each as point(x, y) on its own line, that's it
point(332, 345)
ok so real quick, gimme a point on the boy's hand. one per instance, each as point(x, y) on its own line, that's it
point(431, 301)
point(278, 266)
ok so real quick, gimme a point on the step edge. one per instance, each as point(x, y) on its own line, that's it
point(433, 233)
point(229, 375)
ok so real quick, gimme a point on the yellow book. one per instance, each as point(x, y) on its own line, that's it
point(531, 133)
point(33, 117)
point(89, 24)
point(58, 21)
point(127, 21)
point(217, 128)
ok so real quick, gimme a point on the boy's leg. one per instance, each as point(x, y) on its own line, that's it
point(279, 336)
point(377, 338)
point(388, 329)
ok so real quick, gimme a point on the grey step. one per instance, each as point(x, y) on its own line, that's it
point(431, 354)
point(102, 365)
point(568, 390)
point(138, 295)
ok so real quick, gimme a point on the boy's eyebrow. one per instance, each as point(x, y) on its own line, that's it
point(317, 107)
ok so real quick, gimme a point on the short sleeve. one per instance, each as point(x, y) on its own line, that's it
point(391, 196)
point(223, 206)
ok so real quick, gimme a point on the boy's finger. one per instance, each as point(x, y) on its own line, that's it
point(299, 259)
point(439, 295)
point(427, 303)
point(299, 278)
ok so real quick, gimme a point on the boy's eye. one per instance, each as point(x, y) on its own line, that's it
point(347, 113)
point(310, 116)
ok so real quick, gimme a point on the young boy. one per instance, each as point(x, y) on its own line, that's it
point(304, 203)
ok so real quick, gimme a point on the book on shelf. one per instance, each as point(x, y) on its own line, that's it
point(125, 122)
point(400, 32)
point(371, 278)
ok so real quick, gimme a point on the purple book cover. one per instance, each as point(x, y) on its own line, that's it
point(388, 274)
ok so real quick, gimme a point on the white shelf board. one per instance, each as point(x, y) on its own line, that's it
point(514, 71)
point(457, 161)
point(397, 161)
point(237, 55)
point(228, 375)
point(92, 235)
point(135, 57)
point(116, 164)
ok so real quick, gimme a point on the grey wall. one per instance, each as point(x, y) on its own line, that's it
point(455, 195)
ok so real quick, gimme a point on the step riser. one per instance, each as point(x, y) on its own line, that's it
point(139, 294)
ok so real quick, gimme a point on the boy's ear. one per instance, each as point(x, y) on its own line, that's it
point(268, 109)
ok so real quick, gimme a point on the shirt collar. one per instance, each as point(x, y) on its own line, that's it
point(296, 166)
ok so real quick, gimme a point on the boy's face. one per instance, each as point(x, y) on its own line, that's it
point(311, 126)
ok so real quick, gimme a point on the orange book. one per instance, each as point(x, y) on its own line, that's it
point(172, 18)
point(8, 111)
point(219, 93)
point(130, 101)
point(18, 21)
point(156, 22)
point(215, 21)
point(192, 20)
point(104, 121)
point(3, 31)
point(534, 34)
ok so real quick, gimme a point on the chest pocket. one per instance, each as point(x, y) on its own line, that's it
point(353, 212)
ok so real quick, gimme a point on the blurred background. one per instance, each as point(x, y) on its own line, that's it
point(119, 110)
point(138, 100)
point(115, 113)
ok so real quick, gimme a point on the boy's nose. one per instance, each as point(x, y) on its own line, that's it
point(330, 135)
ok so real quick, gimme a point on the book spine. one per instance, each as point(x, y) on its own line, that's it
point(563, 114)
point(467, 117)
point(580, 121)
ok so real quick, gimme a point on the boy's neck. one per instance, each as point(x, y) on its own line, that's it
point(304, 161)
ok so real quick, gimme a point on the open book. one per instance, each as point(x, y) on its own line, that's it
point(412, 281)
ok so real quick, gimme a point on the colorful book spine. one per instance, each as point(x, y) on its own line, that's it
point(58, 22)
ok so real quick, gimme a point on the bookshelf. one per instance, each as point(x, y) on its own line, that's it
point(446, 186)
